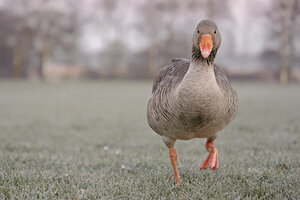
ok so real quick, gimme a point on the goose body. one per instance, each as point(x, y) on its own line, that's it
point(193, 98)
point(191, 102)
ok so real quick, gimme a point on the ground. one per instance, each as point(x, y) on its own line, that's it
point(90, 140)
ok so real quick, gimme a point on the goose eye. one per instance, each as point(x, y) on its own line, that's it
point(215, 32)
point(198, 31)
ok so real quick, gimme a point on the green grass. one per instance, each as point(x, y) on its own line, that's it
point(62, 140)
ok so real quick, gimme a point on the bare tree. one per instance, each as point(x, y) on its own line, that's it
point(33, 28)
point(285, 14)
point(151, 27)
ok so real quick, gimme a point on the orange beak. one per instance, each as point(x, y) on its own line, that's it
point(206, 44)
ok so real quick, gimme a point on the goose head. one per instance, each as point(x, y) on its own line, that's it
point(206, 41)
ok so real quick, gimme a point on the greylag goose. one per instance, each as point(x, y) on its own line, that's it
point(193, 99)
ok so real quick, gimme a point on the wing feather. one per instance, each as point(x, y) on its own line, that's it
point(172, 74)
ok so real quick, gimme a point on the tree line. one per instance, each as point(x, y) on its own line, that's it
point(34, 33)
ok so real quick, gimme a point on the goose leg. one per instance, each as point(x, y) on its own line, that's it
point(173, 158)
point(212, 158)
point(169, 142)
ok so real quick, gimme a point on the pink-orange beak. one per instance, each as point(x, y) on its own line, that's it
point(206, 44)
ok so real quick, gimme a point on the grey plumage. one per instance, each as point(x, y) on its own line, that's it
point(192, 99)
point(170, 117)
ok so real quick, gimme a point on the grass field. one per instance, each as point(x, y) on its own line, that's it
point(90, 140)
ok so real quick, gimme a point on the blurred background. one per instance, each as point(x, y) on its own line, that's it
point(64, 136)
point(133, 39)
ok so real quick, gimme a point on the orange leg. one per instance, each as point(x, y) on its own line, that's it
point(173, 158)
point(212, 158)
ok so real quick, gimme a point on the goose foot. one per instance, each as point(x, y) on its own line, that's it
point(212, 158)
